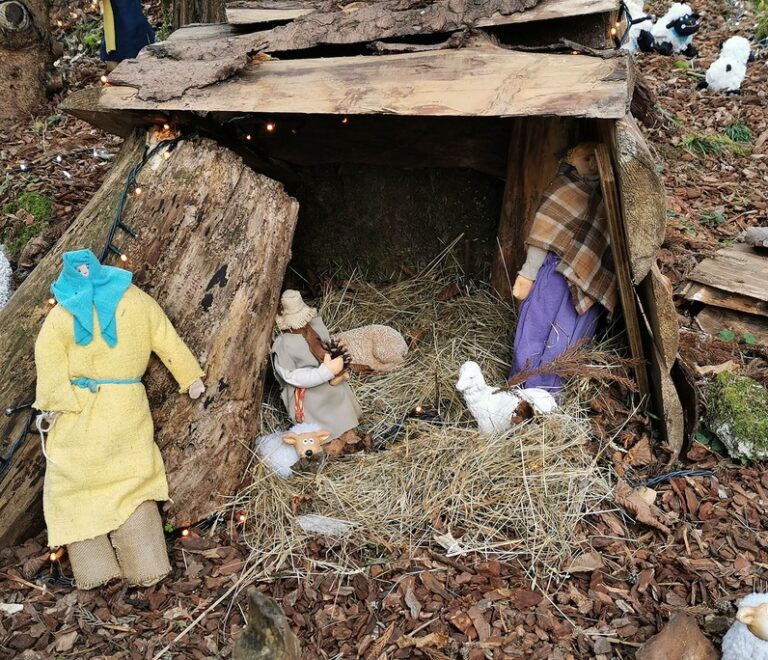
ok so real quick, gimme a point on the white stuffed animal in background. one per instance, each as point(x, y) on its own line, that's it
point(673, 32)
point(747, 638)
point(639, 25)
point(281, 450)
point(494, 408)
point(728, 71)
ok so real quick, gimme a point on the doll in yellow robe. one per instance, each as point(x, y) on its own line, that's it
point(104, 472)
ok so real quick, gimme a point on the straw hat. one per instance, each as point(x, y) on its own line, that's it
point(295, 312)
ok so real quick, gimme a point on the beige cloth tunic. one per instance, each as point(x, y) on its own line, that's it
point(333, 407)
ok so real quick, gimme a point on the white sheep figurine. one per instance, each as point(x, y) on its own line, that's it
point(673, 32)
point(376, 347)
point(493, 408)
point(728, 71)
point(281, 450)
point(747, 638)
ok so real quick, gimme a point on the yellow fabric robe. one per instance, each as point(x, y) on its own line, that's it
point(103, 458)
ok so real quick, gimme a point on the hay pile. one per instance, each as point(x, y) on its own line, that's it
point(518, 495)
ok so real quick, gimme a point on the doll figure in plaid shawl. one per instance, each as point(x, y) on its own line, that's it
point(567, 282)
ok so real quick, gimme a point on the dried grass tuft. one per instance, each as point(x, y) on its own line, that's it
point(519, 495)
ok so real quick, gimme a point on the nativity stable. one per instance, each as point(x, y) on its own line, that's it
point(299, 138)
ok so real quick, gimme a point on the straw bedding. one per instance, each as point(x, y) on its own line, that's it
point(428, 483)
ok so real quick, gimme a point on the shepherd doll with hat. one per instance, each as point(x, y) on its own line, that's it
point(308, 373)
point(104, 473)
point(567, 283)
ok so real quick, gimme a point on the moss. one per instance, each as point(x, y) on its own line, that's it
point(39, 207)
point(738, 414)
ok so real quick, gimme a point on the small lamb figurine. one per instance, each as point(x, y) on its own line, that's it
point(281, 450)
point(376, 347)
point(747, 638)
point(639, 28)
point(728, 71)
point(494, 409)
point(674, 31)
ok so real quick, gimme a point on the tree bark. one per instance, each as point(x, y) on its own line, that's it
point(25, 56)
point(203, 62)
point(214, 242)
point(197, 11)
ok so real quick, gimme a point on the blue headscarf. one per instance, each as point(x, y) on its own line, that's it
point(102, 289)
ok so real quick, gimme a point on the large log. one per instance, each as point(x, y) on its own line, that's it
point(25, 56)
point(214, 241)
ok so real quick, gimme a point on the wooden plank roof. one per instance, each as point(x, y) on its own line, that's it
point(482, 82)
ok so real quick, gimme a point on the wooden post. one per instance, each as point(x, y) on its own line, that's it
point(534, 145)
point(214, 242)
point(621, 263)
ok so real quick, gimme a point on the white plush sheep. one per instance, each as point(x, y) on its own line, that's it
point(746, 638)
point(492, 408)
point(377, 347)
point(640, 24)
point(281, 450)
point(728, 71)
point(673, 32)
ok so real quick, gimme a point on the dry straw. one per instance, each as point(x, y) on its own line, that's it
point(519, 495)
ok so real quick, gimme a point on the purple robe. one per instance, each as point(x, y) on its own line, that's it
point(548, 324)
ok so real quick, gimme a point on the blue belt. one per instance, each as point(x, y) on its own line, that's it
point(93, 383)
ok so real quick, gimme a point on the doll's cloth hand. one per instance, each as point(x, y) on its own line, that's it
point(521, 288)
point(196, 389)
point(334, 365)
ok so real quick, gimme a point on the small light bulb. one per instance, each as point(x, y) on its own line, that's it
point(613, 31)
point(58, 158)
point(418, 410)
point(345, 120)
point(137, 191)
point(575, 52)
point(270, 126)
point(166, 155)
point(53, 556)
point(166, 127)
point(248, 137)
point(185, 532)
point(51, 301)
point(618, 23)
point(241, 518)
point(123, 257)
point(23, 167)
point(103, 80)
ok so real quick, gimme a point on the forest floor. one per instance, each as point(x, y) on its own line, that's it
point(710, 550)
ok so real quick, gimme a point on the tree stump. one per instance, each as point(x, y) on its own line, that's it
point(25, 56)
point(213, 243)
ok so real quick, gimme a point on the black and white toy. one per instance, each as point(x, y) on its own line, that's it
point(639, 26)
point(728, 71)
point(673, 32)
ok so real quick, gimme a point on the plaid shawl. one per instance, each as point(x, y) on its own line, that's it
point(571, 223)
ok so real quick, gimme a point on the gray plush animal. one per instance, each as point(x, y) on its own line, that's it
point(267, 635)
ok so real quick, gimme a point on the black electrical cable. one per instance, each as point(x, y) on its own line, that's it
point(678, 473)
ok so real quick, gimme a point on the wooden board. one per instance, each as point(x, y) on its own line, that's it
point(473, 82)
point(717, 298)
point(712, 321)
point(659, 307)
point(201, 32)
point(621, 263)
point(740, 271)
point(253, 12)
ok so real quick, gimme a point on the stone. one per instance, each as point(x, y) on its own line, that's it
point(737, 411)
point(680, 639)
